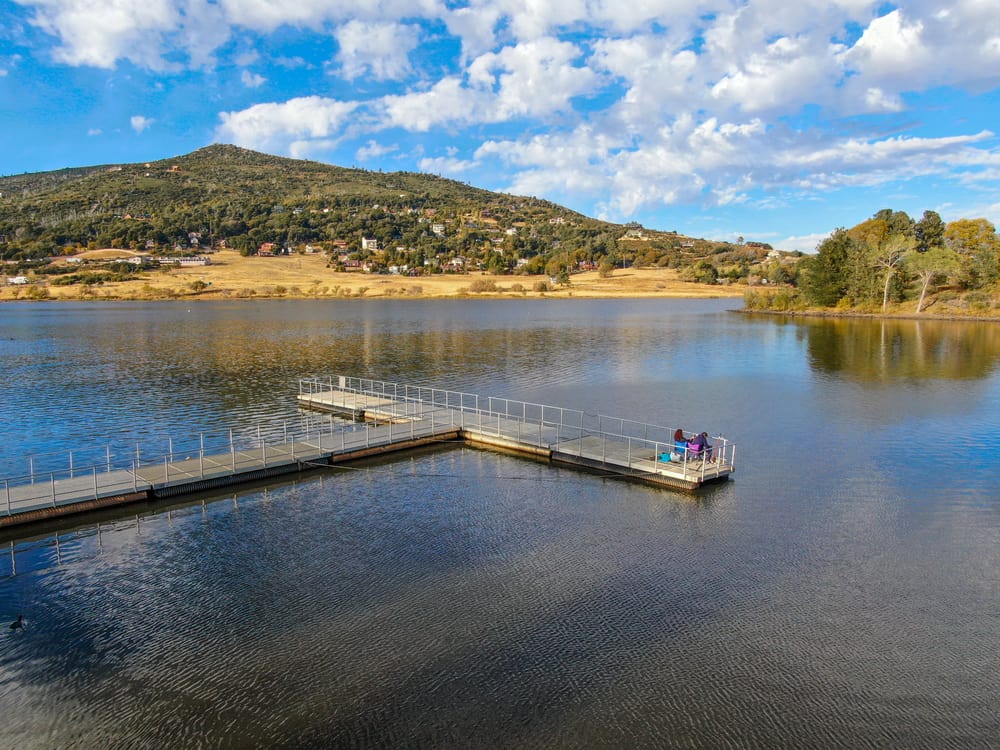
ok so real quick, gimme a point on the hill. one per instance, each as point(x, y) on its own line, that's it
point(227, 198)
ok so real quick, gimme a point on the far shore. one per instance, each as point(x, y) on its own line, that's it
point(848, 314)
point(232, 276)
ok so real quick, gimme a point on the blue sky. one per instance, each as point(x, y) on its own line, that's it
point(765, 119)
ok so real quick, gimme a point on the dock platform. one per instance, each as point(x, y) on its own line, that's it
point(377, 418)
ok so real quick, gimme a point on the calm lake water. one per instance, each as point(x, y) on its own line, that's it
point(841, 591)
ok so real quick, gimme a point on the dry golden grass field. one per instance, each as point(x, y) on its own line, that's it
point(232, 276)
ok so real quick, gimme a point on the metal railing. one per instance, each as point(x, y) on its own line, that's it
point(53, 479)
point(552, 425)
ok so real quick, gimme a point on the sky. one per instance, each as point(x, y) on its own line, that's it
point(772, 120)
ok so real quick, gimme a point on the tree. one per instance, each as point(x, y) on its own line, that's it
point(929, 232)
point(889, 257)
point(975, 240)
point(824, 276)
point(929, 265)
point(702, 272)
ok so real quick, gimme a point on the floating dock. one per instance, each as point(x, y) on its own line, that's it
point(378, 418)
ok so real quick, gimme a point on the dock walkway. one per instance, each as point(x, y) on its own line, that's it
point(623, 447)
point(379, 418)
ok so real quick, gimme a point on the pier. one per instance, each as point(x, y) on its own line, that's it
point(374, 418)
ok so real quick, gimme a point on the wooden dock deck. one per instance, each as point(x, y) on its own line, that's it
point(383, 418)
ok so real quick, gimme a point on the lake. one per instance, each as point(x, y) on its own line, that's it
point(840, 591)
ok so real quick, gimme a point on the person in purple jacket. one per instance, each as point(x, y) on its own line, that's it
point(699, 446)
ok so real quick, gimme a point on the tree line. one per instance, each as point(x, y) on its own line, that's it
point(892, 258)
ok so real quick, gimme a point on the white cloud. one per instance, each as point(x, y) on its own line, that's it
point(267, 15)
point(373, 150)
point(252, 80)
point(534, 78)
point(245, 59)
point(140, 123)
point(307, 147)
point(718, 163)
point(807, 243)
point(94, 131)
point(381, 49)
point(100, 32)
point(277, 127)
point(447, 101)
point(446, 165)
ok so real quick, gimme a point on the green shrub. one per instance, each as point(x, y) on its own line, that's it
point(37, 292)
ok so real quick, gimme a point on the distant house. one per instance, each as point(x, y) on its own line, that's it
point(438, 229)
point(190, 260)
point(369, 243)
point(17, 279)
point(266, 248)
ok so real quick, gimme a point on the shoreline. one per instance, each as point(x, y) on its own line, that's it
point(879, 316)
point(232, 276)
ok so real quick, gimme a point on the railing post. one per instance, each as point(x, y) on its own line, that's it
point(31, 466)
point(52, 485)
point(96, 494)
point(135, 479)
point(232, 453)
point(109, 458)
point(71, 464)
point(6, 487)
point(166, 470)
point(201, 454)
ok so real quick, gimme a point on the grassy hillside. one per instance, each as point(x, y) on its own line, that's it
point(225, 198)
